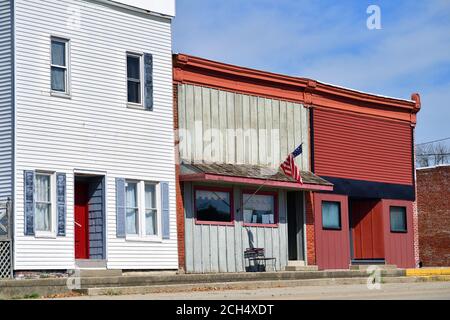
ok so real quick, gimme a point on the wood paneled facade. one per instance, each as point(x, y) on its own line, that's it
point(360, 142)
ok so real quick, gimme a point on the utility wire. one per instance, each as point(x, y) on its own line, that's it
point(420, 144)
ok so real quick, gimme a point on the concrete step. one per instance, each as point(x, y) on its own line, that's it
point(296, 263)
point(98, 273)
point(90, 264)
point(301, 268)
point(364, 267)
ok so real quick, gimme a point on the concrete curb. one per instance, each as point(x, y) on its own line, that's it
point(245, 285)
point(428, 272)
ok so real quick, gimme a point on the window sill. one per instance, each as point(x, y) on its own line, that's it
point(143, 239)
point(45, 235)
point(135, 106)
point(61, 95)
point(215, 223)
point(261, 225)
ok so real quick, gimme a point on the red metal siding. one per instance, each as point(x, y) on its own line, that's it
point(332, 246)
point(399, 247)
point(367, 229)
point(362, 148)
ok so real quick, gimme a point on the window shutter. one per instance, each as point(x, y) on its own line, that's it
point(148, 81)
point(120, 207)
point(165, 212)
point(61, 203)
point(29, 202)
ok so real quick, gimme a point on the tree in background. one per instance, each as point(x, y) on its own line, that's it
point(432, 154)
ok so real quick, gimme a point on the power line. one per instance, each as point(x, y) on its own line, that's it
point(433, 154)
point(420, 144)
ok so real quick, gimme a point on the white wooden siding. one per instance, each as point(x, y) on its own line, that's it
point(6, 99)
point(94, 130)
point(225, 127)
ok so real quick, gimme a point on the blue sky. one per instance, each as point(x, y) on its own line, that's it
point(329, 41)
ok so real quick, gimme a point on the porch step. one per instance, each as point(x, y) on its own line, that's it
point(301, 268)
point(296, 263)
point(364, 267)
point(90, 264)
point(99, 273)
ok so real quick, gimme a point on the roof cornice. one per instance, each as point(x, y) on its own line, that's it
point(199, 71)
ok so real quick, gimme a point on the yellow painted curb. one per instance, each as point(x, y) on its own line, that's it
point(428, 272)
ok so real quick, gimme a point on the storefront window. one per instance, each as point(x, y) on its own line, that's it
point(259, 208)
point(213, 205)
point(331, 215)
point(398, 219)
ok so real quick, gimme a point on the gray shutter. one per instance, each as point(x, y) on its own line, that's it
point(148, 81)
point(28, 183)
point(165, 212)
point(61, 203)
point(120, 207)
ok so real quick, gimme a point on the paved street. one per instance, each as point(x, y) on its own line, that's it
point(420, 291)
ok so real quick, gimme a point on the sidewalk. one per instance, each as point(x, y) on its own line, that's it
point(142, 283)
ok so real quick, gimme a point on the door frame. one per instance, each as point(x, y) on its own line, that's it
point(102, 175)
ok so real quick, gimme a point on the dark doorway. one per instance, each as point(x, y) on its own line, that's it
point(295, 225)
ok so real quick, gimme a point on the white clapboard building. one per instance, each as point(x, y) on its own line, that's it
point(86, 133)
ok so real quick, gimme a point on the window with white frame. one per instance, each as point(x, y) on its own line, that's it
point(44, 207)
point(142, 209)
point(60, 65)
point(134, 78)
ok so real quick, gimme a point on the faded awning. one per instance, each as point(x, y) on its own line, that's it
point(250, 175)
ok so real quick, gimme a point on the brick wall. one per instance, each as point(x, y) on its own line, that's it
point(310, 232)
point(433, 202)
point(178, 187)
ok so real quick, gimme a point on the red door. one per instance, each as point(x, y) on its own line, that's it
point(367, 229)
point(81, 221)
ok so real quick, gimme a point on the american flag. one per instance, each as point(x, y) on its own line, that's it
point(290, 168)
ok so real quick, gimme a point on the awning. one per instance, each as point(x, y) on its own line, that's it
point(250, 175)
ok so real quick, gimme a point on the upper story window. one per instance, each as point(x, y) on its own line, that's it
point(259, 209)
point(44, 203)
point(213, 205)
point(134, 78)
point(60, 65)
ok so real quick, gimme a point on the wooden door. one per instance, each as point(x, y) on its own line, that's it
point(367, 229)
point(81, 221)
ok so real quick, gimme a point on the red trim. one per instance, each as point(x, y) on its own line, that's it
point(199, 71)
point(219, 189)
point(276, 213)
point(254, 181)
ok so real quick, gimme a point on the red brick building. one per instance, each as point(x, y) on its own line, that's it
point(433, 203)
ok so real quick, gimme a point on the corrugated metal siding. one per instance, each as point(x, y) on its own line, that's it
point(217, 248)
point(363, 148)
point(6, 98)
point(332, 246)
point(399, 247)
point(226, 127)
point(94, 130)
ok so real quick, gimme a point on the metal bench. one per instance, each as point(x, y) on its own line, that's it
point(257, 260)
